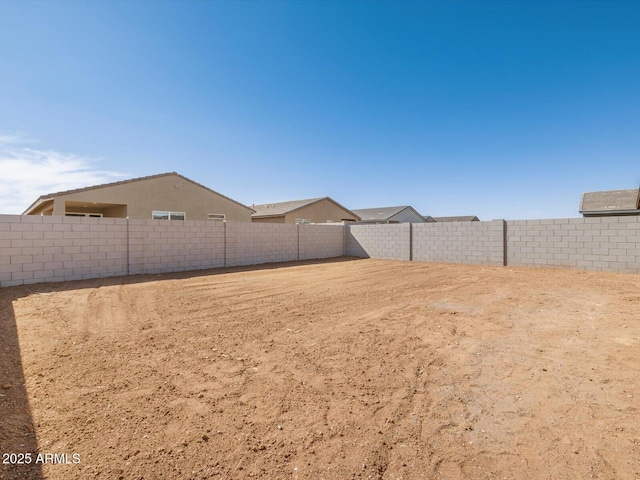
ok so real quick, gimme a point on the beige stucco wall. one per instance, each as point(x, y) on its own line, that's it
point(167, 193)
point(320, 212)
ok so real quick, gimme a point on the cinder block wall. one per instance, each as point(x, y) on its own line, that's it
point(320, 241)
point(254, 243)
point(390, 241)
point(46, 249)
point(609, 244)
point(49, 249)
point(479, 243)
point(160, 246)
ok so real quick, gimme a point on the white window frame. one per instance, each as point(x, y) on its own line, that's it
point(302, 221)
point(168, 214)
point(217, 217)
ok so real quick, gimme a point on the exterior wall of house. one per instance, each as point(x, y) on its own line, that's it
point(165, 193)
point(323, 211)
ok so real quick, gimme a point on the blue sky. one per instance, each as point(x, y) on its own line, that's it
point(502, 109)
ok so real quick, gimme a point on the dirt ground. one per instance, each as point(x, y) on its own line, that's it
point(328, 370)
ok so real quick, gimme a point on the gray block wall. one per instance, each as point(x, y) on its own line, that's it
point(256, 243)
point(480, 243)
point(37, 249)
point(320, 241)
point(47, 249)
point(387, 241)
point(161, 246)
point(609, 244)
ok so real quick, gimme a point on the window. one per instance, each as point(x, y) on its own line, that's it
point(79, 214)
point(302, 220)
point(160, 215)
point(217, 216)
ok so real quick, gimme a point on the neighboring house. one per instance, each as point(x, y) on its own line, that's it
point(610, 202)
point(403, 214)
point(312, 210)
point(462, 218)
point(164, 196)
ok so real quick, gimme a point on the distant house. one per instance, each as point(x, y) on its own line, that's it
point(311, 210)
point(167, 196)
point(463, 218)
point(403, 214)
point(610, 202)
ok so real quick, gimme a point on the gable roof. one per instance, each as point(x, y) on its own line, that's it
point(610, 201)
point(462, 218)
point(380, 213)
point(280, 209)
point(49, 196)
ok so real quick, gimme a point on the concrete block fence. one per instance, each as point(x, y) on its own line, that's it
point(608, 244)
point(37, 249)
point(46, 249)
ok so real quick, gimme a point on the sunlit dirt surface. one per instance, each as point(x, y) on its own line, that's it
point(337, 369)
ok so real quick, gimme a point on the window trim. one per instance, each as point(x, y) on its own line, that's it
point(168, 215)
point(303, 221)
point(217, 217)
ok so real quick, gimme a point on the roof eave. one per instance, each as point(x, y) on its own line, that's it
point(591, 213)
point(257, 215)
point(36, 204)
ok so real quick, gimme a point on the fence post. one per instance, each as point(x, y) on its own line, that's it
point(499, 242)
point(410, 242)
point(128, 249)
point(224, 244)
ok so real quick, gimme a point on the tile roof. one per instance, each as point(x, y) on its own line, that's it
point(609, 201)
point(381, 213)
point(462, 218)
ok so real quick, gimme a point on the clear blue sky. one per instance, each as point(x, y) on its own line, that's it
point(502, 109)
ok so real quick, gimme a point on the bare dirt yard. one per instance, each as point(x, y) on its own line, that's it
point(328, 370)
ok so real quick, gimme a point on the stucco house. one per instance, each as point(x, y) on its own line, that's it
point(167, 196)
point(610, 203)
point(311, 210)
point(402, 214)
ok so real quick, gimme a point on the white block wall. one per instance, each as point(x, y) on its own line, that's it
point(609, 244)
point(321, 241)
point(478, 243)
point(256, 243)
point(390, 241)
point(50, 249)
point(160, 246)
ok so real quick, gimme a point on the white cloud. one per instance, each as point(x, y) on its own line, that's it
point(14, 138)
point(26, 173)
